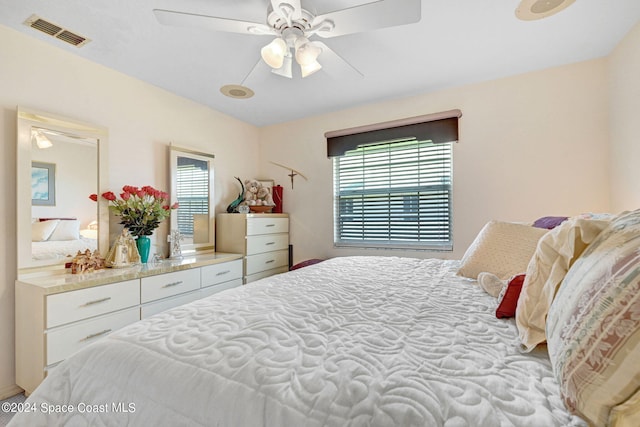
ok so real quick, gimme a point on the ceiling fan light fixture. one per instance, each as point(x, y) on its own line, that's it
point(41, 140)
point(274, 53)
point(307, 53)
point(286, 69)
point(308, 69)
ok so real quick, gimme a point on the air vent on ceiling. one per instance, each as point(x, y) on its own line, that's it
point(56, 31)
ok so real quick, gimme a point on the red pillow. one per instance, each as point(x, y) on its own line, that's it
point(509, 301)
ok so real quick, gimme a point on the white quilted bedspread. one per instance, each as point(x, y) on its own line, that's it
point(353, 341)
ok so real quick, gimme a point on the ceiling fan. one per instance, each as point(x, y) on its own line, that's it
point(293, 24)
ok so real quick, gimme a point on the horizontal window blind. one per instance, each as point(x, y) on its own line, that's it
point(192, 184)
point(394, 194)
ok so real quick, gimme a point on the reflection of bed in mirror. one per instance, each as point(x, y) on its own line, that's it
point(58, 238)
point(77, 152)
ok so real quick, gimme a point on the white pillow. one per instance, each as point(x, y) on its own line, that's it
point(67, 229)
point(41, 231)
point(501, 248)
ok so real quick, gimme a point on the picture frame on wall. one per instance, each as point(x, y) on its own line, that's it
point(43, 184)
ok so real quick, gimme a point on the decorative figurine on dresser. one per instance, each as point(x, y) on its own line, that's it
point(175, 250)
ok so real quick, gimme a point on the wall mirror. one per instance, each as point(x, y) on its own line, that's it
point(60, 163)
point(192, 187)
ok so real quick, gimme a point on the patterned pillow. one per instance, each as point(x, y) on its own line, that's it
point(556, 252)
point(501, 248)
point(593, 328)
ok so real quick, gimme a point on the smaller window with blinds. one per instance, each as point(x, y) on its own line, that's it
point(192, 188)
point(394, 194)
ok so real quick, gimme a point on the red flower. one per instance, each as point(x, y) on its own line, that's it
point(109, 196)
point(149, 190)
point(130, 189)
point(141, 209)
point(175, 205)
point(94, 197)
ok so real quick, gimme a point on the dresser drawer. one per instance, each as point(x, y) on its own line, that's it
point(210, 290)
point(72, 306)
point(218, 273)
point(266, 261)
point(267, 226)
point(267, 243)
point(165, 304)
point(267, 273)
point(169, 284)
point(64, 341)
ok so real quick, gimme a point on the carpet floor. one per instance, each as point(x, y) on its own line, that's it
point(6, 416)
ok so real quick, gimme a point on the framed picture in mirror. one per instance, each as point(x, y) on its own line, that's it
point(43, 184)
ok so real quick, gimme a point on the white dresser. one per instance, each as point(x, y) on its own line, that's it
point(58, 313)
point(262, 238)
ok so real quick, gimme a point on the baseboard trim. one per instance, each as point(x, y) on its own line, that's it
point(9, 391)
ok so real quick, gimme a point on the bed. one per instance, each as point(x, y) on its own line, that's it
point(61, 249)
point(350, 341)
point(58, 238)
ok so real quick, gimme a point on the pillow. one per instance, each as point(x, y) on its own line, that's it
point(41, 231)
point(66, 230)
point(501, 248)
point(508, 299)
point(306, 263)
point(549, 222)
point(593, 328)
point(491, 284)
point(556, 252)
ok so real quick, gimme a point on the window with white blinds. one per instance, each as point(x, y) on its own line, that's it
point(395, 194)
point(192, 185)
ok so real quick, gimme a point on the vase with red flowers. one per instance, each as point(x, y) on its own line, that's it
point(141, 210)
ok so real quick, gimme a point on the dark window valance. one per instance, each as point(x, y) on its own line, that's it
point(438, 128)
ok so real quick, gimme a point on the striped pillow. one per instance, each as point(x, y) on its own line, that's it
point(593, 328)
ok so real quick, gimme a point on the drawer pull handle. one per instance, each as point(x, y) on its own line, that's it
point(270, 261)
point(270, 225)
point(169, 285)
point(222, 273)
point(98, 301)
point(270, 243)
point(96, 335)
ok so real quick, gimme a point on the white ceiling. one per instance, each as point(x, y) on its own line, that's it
point(456, 42)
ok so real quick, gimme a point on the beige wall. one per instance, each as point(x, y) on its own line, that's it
point(141, 119)
point(624, 88)
point(530, 145)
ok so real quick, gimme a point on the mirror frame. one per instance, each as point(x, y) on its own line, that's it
point(27, 119)
point(174, 152)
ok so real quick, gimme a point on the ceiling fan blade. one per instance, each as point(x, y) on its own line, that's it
point(183, 19)
point(291, 9)
point(367, 17)
point(334, 64)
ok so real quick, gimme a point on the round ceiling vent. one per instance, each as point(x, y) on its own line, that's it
point(529, 10)
point(236, 91)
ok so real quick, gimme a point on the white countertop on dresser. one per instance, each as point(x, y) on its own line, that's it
point(56, 281)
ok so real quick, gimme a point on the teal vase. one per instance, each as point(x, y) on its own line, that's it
point(143, 243)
